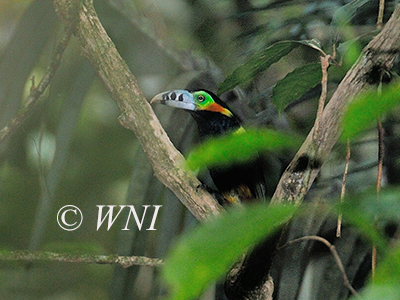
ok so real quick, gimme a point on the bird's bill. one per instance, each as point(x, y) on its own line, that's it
point(176, 98)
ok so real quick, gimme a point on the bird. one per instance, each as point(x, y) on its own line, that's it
point(237, 183)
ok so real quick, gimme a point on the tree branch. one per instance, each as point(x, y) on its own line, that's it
point(334, 253)
point(124, 261)
point(377, 58)
point(137, 115)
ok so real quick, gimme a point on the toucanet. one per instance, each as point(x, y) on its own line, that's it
point(243, 182)
point(239, 182)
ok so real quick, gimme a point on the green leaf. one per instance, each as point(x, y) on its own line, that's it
point(258, 63)
point(386, 284)
point(357, 217)
point(261, 61)
point(388, 270)
point(363, 112)
point(313, 43)
point(208, 252)
point(295, 84)
point(239, 147)
point(381, 291)
point(369, 214)
point(349, 51)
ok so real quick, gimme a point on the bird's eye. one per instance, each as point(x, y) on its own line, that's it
point(201, 98)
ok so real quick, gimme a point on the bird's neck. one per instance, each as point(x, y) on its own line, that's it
point(213, 124)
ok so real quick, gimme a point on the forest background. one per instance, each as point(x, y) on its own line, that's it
point(66, 146)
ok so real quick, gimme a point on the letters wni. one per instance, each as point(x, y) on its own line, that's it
point(111, 218)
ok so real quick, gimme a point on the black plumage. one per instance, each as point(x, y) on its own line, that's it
point(244, 182)
point(213, 124)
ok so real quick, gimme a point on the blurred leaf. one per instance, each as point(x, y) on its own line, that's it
point(363, 112)
point(365, 224)
point(206, 253)
point(350, 51)
point(295, 84)
point(386, 283)
point(384, 208)
point(388, 270)
point(239, 147)
point(258, 63)
point(346, 13)
point(381, 291)
point(365, 209)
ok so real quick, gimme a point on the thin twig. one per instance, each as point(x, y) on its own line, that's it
point(325, 60)
point(380, 157)
point(373, 263)
point(378, 186)
point(343, 191)
point(36, 92)
point(379, 22)
point(334, 253)
point(124, 261)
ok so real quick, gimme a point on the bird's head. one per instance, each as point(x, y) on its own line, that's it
point(193, 101)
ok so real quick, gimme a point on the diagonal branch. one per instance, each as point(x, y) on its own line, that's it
point(377, 58)
point(137, 114)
